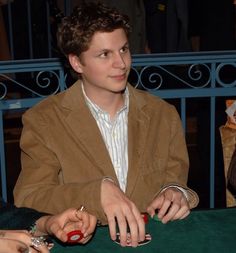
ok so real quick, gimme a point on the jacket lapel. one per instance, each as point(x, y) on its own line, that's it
point(86, 131)
point(137, 131)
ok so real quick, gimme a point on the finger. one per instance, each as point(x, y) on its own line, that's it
point(172, 210)
point(172, 203)
point(32, 250)
point(155, 204)
point(70, 226)
point(164, 208)
point(85, 218)
point(179, 206)
point(15, 234)
point(112, 227)
point(141, 228)
point(85, 239)
point(184, 210)
point(133, 227)
point(92, 226)
point(185, 215)
point(122, 225)
point(88, 222)
point(151, 210)
point(72, 214)
point(140, 224)
point(172, 197)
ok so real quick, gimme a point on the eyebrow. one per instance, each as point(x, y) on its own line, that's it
point(109, 50)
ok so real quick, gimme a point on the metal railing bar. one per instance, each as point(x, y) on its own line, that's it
point(30, 29)
point(212, 152)
point(10, 35)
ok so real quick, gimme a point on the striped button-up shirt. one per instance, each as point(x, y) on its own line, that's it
point(115, 136)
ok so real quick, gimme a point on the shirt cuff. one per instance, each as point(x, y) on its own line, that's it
point(109, 179)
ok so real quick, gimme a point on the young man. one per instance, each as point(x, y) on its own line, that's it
point(101, 143)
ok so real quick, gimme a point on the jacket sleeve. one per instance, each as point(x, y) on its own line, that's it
point(178, 161)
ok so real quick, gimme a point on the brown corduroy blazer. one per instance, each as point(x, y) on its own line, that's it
point(64, 158)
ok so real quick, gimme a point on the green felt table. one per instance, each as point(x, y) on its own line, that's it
point(202, 231)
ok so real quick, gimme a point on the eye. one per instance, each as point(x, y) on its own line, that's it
point(124, 49)
point(104, 54)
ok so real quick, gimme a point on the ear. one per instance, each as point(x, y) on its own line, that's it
point(75, 63)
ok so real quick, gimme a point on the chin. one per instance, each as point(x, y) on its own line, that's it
point(120, 88)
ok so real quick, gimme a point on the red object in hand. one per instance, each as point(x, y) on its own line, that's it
point(74, 236)
point(145, 217)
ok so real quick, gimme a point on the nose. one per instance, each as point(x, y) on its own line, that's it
point(119, 61)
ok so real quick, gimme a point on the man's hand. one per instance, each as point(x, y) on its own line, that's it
point(118, 208)
point(171, 205)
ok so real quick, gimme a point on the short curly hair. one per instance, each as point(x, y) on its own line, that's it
point(76, 31)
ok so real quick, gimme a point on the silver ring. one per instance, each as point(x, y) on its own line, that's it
point(36, 242)
point(81, 209)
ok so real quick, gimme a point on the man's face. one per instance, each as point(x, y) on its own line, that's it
point(105, 66)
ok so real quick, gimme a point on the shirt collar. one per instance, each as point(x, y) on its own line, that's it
point(96, 110)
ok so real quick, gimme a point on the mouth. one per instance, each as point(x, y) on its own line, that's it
point(119, 77)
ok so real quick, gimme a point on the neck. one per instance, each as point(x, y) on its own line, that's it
point(108, 102)
point(112, 105)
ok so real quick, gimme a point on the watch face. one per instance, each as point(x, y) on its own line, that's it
point(74, 236)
